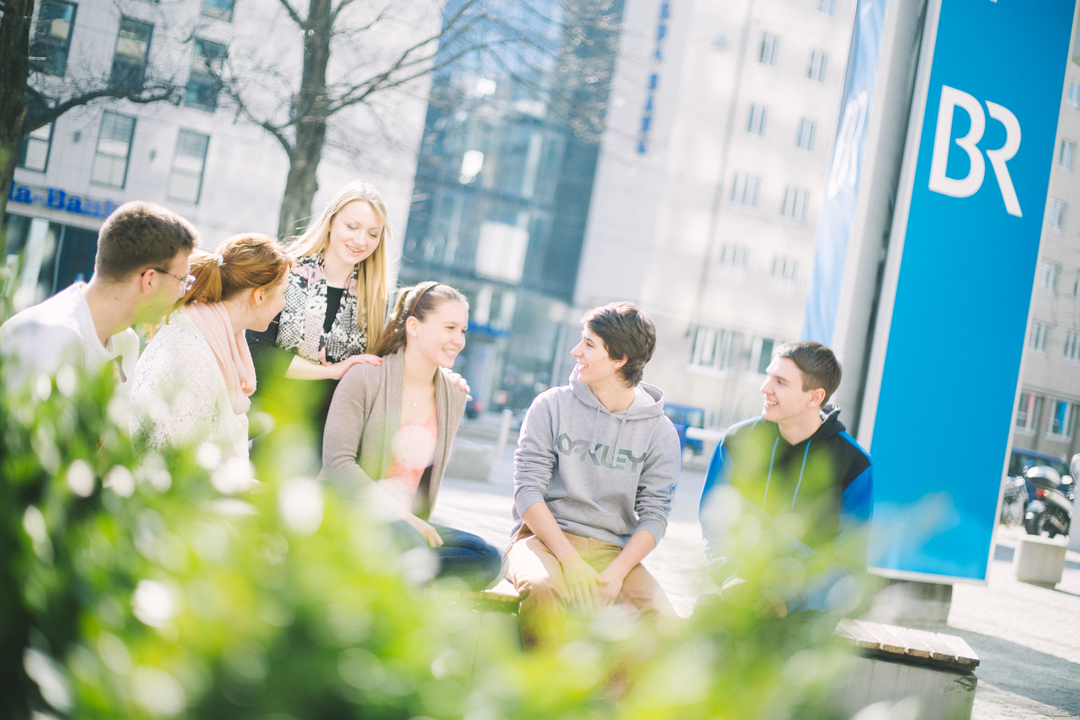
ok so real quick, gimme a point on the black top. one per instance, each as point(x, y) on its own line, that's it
point(333, 303)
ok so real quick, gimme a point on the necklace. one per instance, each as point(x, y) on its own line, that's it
point(407, 396)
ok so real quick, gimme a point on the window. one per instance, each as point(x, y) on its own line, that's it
point(132, 49)
point(804, 136)
point(744, 190)
point(756, 124)
point(1028, 411)
point(770, 44)
point(185, 182)
point(816, 71)
point(204, 81)
point(34, 153)
point(785, 268)
point(1040, 332)
point(762, 355)
point(220, 9)
point(826, 6)
point(1072, 99)
point(1066, 154)
point(794, 206)
point(712, 348)
point(1071, 352)
point(734, 255)
point(1061, 418)
point(1048, 276)
point(52, 37)
point(113, 150)
point(1056, 216)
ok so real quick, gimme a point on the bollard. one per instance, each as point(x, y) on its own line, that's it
point(1039, 560)
point(504, 431)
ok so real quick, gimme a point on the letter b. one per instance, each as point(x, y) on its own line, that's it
point(968, 186)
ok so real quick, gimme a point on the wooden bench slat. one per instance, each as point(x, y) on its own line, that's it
point(912, 644)
point(962, 651)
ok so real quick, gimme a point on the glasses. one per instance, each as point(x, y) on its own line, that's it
point(185, 282)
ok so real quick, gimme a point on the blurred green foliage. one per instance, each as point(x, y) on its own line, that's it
point(132, 588)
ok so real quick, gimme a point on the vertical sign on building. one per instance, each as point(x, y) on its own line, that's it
point(965, 239)
point(842, 185)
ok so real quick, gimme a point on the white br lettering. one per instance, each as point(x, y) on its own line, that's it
point(969, 185)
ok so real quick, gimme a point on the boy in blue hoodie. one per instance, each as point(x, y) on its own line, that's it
point(796, 459)
point(594, 473)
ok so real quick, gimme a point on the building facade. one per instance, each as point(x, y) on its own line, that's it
point(200, 157)
point(706, 202)
point(1049, 399)
point(503, 191)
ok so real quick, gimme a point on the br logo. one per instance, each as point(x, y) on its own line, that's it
point(952, 98)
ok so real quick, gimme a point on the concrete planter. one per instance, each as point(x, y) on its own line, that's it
point(1039, 560)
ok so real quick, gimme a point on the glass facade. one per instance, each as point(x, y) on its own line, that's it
point(502, 193)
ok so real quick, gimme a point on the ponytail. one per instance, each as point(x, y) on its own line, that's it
point(246, 262)
point(416, 301)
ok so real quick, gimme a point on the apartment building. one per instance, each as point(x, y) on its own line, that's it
point(199, 157)
point(1046, 413)
point(710, 184)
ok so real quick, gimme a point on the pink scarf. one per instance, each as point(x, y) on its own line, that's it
point(230, 350)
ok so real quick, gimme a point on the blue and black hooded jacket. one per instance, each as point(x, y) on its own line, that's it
point(826, 481)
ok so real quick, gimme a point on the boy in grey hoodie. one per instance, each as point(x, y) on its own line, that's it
point(594, 474)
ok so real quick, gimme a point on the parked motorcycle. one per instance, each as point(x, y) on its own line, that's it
point(1014, 500)
point(1049, 511)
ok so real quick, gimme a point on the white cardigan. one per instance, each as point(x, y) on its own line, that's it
point(179, 395)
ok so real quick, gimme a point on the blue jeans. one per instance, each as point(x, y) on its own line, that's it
point(462, 555)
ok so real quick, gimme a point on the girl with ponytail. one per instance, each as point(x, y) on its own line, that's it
point(194, 381)
point(391, 426)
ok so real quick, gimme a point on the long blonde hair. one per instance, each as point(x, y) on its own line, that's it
point(371, 275)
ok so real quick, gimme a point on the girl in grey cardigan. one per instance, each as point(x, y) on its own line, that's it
point(391, 426)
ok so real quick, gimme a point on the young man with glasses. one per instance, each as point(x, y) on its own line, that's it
point(140, 270)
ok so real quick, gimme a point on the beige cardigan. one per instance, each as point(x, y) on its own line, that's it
point(365, 414)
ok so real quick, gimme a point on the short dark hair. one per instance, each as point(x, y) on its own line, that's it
point(628, 333)
point(141, 235)
point(818, 364)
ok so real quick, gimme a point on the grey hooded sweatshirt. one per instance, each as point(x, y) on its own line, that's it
point(603, 475)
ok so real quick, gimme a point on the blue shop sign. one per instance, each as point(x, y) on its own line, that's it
point(61, 200)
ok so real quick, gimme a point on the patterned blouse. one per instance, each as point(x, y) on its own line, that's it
point(300, 328)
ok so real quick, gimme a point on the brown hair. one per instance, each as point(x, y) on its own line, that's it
point(416, 301)
point(249, 260)
point(818, 364)
point(371, 271)
point(628, 333)
point(138, 236)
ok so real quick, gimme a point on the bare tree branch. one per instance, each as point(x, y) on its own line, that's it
point(292, 12)
point(45, 115)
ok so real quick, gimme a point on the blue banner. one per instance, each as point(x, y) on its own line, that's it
point(842, 186)
point(970, 243)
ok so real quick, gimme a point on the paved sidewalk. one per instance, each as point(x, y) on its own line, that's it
point(1027, 637)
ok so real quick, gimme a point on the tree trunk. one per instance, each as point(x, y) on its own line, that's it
point(310, 109)
point(14, 70)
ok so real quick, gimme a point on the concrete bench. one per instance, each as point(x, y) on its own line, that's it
point(899, 663)
point(470, 461)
